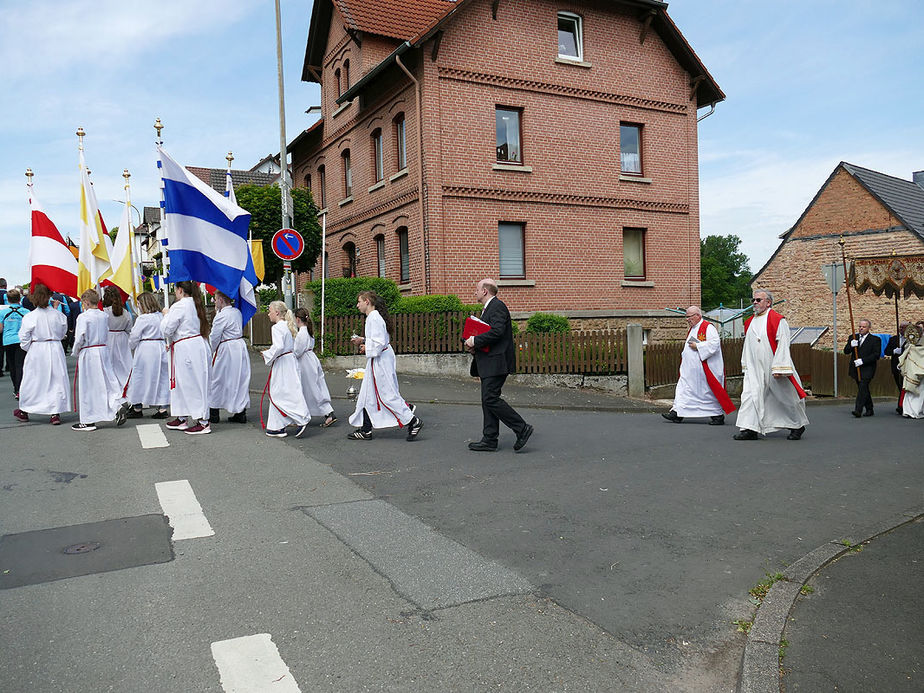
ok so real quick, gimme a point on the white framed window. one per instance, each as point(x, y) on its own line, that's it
point(507, 126)
point(570, 36)
point(378, 160)
point(401, 141)
point(510, 242)
point(630, 148)
point(633, 253)
point(380, 254)
point(347, 174)
point(405, 255)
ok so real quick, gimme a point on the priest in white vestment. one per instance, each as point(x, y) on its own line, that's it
point(701, 391)
point(772, 398)
point(911, 366)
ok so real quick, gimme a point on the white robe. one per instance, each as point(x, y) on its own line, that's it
point(314, 386)
point(910, 363)
point(149, 382)
point(379, 394)
point(229, 384)
point(45, 387)
point(189, 355)
point(99, 394)
point(769, 404)
point(287, 403)
point(693, 396)
point(120, 354)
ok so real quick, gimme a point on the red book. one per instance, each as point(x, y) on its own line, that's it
point(473, 327)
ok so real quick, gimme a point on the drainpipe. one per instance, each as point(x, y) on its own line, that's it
point(706, 115)
point(425, 262)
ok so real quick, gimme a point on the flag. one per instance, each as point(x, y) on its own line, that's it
point(229, 188)
point(208, 236)
point(256, 252)
point(123, 262)
point(93, 260)
point(49, 256)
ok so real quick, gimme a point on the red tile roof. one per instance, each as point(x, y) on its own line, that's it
point(400, 19)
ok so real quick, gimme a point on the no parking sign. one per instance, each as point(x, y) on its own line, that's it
point(287, 244)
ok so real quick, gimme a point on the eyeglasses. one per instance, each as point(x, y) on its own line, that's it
point(757, 300)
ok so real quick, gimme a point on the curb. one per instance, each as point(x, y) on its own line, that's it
point(760, 664)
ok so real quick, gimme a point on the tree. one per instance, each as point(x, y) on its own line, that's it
point(725, 274)
point(264, 205)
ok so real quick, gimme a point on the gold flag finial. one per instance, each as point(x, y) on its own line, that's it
point(126, 175)
point(29, 175)
point(158, 126)
point(229, 158)
point(80, 135)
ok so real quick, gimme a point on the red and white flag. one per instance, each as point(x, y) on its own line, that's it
point(51, 260)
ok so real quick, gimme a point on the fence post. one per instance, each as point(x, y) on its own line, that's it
point(636, 360)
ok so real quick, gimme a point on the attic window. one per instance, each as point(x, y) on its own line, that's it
point(570, 39)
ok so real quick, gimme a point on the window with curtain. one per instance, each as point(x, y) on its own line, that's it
point(507, 125)
point(510, 249)
point(630, 148)
point(339, 81)
point(400, 141)
point(349, 256)
point(347, 174)
point(322, 182)
point(633, 253)
point(405, 255)
point(380, 254)
point(570, 41)
point(377, 155)
point(346, 75)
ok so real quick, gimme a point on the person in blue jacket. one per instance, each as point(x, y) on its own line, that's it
point(10, 319)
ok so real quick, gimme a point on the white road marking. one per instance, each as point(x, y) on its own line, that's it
point(252, 665)
point(181, 507)
point(152, 436)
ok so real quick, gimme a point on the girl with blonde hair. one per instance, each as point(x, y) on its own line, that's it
point(287, 403)
point(149, 380)
point(314, 386)
point(185, 329)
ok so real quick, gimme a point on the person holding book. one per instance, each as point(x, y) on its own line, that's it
point(492, 366)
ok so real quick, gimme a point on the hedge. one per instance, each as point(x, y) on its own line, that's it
point(547, 322)
point(340, 294)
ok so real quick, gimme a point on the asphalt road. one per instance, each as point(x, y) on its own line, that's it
point(612, 553)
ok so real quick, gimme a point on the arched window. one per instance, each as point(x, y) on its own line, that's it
point(347, 174)
point(380, 254)
point(308, 182)
point(405, 255)
point(339, 83)
point(322, 183)
point(346, 75)
point(349, 259)
point(400, 129)
point(378, 157)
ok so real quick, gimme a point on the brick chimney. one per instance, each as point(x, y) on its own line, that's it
point(918, 177)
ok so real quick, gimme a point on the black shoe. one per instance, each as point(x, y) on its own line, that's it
point(214, 415)
point(672, 416)
point(746, 434)
point(899, 410)
point(240, 417)
point(481, 446)
point(868, 413)
point(122, 414)
point(160, 414)
point(717, 420)
point(523, 437)
point(413, 428)
point(795, 433)
point(134, 414)
point(856, 414)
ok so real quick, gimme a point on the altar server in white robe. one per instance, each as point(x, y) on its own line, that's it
point(120, 328)
point(314, 385)
point(910, 364)
point(287, 403)
point(701, 389)
point(99, 395)
point(185, 329)
point(379, 404)
point(772, 398)
point(229, 383)
point(45, 387)
point(149, 381)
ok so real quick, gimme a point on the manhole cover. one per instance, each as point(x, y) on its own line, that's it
point(83, 547)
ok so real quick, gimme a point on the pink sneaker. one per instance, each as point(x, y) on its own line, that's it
point(20, 414)
point(199, 429)
point(177, 425)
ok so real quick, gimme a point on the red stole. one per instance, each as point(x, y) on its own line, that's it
point(714, 384)
point(773, 323)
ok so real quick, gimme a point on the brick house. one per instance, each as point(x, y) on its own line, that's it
point(877, 215)
point(587, 204)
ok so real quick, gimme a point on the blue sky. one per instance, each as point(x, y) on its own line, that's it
point(808, 84)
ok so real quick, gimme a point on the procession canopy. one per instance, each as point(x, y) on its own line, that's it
point(889, 274)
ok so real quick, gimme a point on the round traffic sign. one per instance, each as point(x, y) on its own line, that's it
point(287, 244)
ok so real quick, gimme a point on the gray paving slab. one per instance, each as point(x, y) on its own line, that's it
point(761, 669)
point(432, 571)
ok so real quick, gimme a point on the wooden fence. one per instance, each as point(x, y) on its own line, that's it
point(583, 353)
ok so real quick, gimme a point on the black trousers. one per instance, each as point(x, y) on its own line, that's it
point(495, 409)
point(864, 399)
point(15, 357)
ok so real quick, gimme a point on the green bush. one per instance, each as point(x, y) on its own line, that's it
point(266, 296)
point(434, 303)
point(547, 322)
point(340, 294)
point(473, 308)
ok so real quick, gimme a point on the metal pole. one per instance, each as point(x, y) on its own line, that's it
point(283, 155)
point(165, 264)
point(834, 339)
point(853, 329)
point(323, 271)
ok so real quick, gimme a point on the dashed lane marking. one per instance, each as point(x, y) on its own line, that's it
point(183, 510)
point(252, 664)
point(152, 436)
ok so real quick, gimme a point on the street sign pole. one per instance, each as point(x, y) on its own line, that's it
point(834, 275)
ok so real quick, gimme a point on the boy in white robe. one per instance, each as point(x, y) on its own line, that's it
point(185, 327)
point(701, 389)
point(45, 387)
point(149, 378)
point(772, 398)
point(229, 383)
point(99, 395)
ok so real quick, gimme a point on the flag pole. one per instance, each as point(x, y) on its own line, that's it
point(131, 237)
point(81, 133)
point(853, 330)
point(165, 264)
point(323, 271)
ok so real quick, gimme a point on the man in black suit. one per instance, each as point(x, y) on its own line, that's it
point(493, 366)
point(894, 348)
point(863, 367)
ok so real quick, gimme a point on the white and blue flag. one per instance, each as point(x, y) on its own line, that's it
point(208, 236)
point(229, 187)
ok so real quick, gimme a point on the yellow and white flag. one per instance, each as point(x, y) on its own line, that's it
point(93, 259)
point(123, 261)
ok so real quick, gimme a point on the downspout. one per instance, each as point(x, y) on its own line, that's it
point(425, 261)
